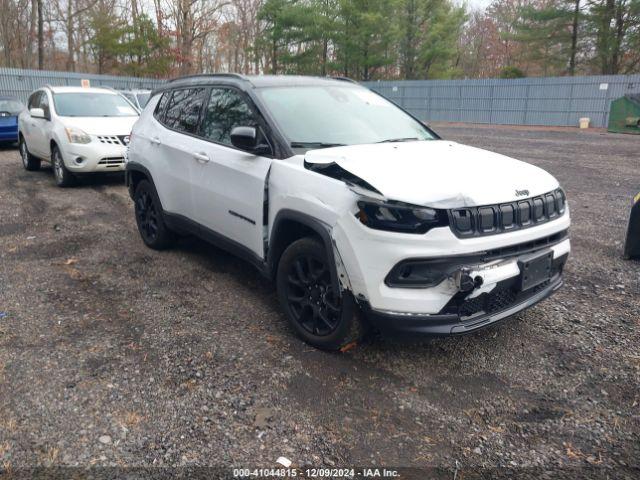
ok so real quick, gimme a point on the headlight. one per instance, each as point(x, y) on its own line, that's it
point(75, 135)
point(400, 217)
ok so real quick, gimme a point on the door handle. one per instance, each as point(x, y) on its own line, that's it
point(201, 157)
point(155, 141)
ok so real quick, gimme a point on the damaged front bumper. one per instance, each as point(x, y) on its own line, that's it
point(453, 285)
point(471, 315)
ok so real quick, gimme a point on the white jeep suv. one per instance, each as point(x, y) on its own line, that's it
point(359, 212)
point(79, 130)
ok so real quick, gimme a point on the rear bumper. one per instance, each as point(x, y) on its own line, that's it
point(453, 323)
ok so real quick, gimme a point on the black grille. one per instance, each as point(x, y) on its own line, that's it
point(506, 217)
point(495, 301)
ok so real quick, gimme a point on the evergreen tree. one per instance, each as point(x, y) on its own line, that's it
point(428, 31)
point(550, 32)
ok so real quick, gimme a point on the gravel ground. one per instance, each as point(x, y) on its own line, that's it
point(112, 354)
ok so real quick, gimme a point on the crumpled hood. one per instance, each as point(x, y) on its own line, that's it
point(102, 125)
point(438, 173)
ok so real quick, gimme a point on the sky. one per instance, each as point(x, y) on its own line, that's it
point(478, 4)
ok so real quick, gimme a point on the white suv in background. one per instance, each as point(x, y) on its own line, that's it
point(79, 130)
point(349, 203)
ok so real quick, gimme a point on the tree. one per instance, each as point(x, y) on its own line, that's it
point(428, 32)
point(194, 21)
point(143, 49)
point(69, 15)
point(549, 31)
point(364, 37)
point(108, 31)
point(614, 27)
point(479, 47)
point(512, 72)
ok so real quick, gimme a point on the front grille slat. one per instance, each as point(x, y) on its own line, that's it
point(110, 162)
point(507, 217)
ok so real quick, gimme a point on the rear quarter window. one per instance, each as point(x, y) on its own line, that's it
point(158, 113)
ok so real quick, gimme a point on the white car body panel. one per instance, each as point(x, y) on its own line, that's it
point(171, 171)
point(228, 193)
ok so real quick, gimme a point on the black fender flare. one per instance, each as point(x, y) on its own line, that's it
point(317, 226)
point(135, 167)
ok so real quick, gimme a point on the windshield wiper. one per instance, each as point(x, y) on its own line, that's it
point(315, 145)
point(392, 140)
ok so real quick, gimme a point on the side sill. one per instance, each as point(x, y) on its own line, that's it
point(182, 224)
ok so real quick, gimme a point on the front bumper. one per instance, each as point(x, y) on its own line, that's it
point(369, 256)
point(453, 324)
point(94, 157)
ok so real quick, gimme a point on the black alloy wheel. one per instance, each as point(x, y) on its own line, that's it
point(316, 309)
point(29, 162)
point(147, 217)
point(148, 212)
point(312, 301)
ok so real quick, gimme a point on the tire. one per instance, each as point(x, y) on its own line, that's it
point(148, 210)
point(29, 162)
point(64, 178)
point(318, 315)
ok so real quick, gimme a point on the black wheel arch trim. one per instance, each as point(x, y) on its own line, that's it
point(135, 167)
point(322, 229)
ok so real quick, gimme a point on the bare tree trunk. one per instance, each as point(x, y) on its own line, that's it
point(616, 57)
point(604, 42)
point(274, 57)
point(574, 38)
point(325, 51)
point(33, 18)
point(71, 63)
point(185, 36)
point(40, 36)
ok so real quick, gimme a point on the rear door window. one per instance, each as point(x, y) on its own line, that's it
point(183, 109)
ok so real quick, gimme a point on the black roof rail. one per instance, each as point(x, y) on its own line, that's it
point(204, 75)
point(344, 79)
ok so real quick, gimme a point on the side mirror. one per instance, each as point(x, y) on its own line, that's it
point(37, 113)
point(246, 138)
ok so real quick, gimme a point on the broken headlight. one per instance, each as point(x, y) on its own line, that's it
point(400, 217)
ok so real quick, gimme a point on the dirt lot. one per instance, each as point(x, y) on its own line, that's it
point(115, 355)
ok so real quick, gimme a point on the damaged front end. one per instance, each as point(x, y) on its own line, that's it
point(335, 171)
point(422, 279)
